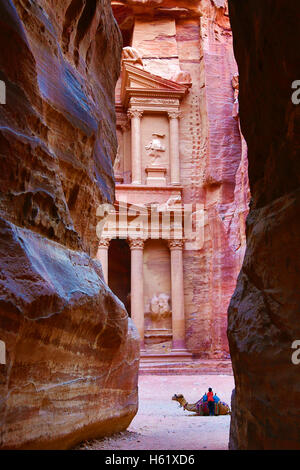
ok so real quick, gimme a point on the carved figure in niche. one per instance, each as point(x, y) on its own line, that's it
point(155, 148)
point(154, 305)
point(160, 306)
point(130, 54)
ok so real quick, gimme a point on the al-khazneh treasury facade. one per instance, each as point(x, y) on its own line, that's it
point(173, 245)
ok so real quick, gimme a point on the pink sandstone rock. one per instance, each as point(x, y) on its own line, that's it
point(71, 353)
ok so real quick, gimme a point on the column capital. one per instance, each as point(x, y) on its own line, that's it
point(104, 242)
point(176, 244)
point(132, 112)
point(136, 243)
point(174, 114)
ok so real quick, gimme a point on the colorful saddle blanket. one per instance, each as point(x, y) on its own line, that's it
point(221, 408)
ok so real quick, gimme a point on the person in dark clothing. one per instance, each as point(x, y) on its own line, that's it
point(211, 402)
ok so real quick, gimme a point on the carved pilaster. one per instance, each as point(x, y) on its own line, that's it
point(137, 284)
point(174, 146)
point(136, 158)
point(102, 255)
point(178, 320)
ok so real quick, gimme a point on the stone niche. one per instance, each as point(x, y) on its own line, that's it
point(148, 126)
point(157, 295)
point(155, 149)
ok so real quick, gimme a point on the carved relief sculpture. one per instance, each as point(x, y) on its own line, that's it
point(160, 306)
point(155, 148)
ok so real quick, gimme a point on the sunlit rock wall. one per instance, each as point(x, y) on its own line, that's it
point(194, 37)
point(264, 311)
point(71, 354)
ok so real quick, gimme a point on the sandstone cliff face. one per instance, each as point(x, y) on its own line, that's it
point(195, 37)
point(264, 311)
point(218, 165)
point(71, 355)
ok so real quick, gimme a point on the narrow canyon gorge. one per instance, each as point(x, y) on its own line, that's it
point(149, 193)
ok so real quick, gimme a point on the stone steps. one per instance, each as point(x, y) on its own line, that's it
point(156, 365)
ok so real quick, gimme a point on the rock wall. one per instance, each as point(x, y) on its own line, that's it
point(214, 175)
point(264, 311)
point(182, 38)
point(71, 353)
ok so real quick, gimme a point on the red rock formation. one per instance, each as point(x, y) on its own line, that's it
point(219, 169)
point(195, 37)
point(71, 355)
point(264, 311)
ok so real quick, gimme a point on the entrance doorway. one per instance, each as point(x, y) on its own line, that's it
point(119, 271)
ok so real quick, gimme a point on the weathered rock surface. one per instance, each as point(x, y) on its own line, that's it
point(218, 165)
point(194, 38)
point(71, 354)
point(264, 311)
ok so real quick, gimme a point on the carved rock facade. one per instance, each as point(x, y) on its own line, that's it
point(177, 82)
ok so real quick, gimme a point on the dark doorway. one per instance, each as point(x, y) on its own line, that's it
point(119, 271)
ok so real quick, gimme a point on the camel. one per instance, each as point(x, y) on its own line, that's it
point(200, 408)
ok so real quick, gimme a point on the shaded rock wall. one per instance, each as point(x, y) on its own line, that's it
point(71, 354)
point(195, 37)
point(264, 311)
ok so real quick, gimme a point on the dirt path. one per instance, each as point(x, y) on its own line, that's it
point(161, 425)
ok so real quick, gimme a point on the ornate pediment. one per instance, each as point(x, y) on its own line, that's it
point(137, 83)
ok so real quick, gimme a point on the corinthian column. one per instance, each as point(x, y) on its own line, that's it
point(137, 285)
point(102, 256)
point(178, 321)
point(136, 159)
point(174, 147)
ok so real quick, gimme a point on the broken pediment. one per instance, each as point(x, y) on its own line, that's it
point(137, 82)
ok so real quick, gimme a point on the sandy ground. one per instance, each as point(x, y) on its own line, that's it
point(161, 424)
